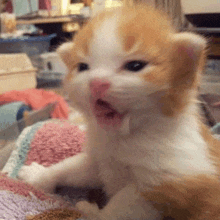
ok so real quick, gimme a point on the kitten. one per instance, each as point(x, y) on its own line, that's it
point(135, 80)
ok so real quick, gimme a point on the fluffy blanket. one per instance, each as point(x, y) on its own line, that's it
point(19, 201)
point(45, 143)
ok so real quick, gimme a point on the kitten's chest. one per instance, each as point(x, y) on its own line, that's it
point(114, 175)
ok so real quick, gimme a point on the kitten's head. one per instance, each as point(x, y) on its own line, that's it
point(123, 58)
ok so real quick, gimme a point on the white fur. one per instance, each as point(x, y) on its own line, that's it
point(105, 40)
point(149, 148)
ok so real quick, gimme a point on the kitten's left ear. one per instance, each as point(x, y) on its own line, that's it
point(189, 55)
point(189, 46)
point(187, 62)
point(191, 41)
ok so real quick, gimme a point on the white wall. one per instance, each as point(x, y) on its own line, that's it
point(200, 6)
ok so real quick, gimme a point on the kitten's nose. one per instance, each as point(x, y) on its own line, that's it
point(98, 87)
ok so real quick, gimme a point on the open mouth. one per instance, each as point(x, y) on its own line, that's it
point(105, 114)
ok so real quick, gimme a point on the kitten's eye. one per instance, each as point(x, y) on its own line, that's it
point(82, 67)
point(135, 65)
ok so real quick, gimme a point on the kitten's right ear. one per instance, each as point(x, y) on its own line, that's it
point(65, 52)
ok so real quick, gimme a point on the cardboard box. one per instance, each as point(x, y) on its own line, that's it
point(16, 72)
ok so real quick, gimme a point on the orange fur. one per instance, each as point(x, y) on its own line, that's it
point(185, 75)
point(84, 37)
point(135, 25)
point(189, 198)
point(174, 66)
point(134, 29)
point(177, 65)
point(82, 42)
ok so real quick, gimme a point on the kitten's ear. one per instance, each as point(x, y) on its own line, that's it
point(187, 63)
point(65, 52)
point(189, 54)
point(192, 43)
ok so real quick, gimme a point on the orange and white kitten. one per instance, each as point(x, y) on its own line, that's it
point(135, 80)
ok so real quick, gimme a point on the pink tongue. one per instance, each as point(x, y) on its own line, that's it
point(107, 116)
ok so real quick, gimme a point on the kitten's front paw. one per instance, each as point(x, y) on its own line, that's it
point(90, 210)
point(37, 175)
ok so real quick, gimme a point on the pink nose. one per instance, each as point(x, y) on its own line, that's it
point(99, 87)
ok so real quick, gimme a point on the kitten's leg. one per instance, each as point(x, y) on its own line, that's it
point(79, 171)
point(127, 204)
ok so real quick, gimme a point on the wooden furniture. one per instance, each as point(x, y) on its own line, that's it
point(63, 26)
point(46, 20)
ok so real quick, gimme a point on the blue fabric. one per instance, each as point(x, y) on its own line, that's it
point(8, 114)
point(28, 39)
point(21, 111)
point(25, 145)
